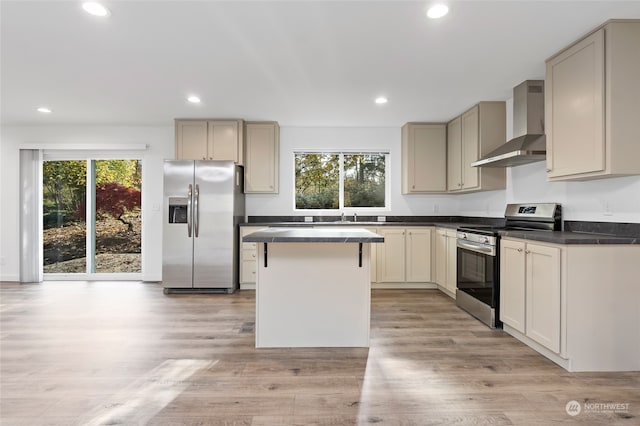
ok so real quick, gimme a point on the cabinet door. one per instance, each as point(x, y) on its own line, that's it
point(441, 257)
point(543, 295)
point(470, 146)
point(512, 284)
point(418, 252)
point(452, 262)
point(574, 103)
point(191, 140)
point(454, 155)
point(261, 158)
point(424, 155)
point(391, 255)
point(374, 257)
point(223, 140)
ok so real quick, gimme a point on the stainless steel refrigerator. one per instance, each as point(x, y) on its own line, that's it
point(203, 205)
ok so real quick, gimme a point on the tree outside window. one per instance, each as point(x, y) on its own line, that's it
point(332, 181)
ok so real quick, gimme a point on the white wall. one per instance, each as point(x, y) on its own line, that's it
point(607, 200)
point(160, 141)
point(346, 138)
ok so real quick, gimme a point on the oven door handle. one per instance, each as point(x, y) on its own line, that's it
point(478, 248)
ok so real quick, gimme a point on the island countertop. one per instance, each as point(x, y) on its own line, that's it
point(313, 235)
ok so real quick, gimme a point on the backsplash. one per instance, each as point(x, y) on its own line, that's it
point(608, 228)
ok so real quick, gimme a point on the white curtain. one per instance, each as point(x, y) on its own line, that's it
point(30, 215)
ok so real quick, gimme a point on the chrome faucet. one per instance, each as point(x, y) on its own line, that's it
point(355, 217)
point(342, 217)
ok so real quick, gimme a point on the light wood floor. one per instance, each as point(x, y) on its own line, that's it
point(124, 353)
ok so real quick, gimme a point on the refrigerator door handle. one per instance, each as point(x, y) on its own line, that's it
point(189, 210)
point(196, 210)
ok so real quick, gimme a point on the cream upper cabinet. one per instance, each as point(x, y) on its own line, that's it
point(424, 158)
point(454, 154)
point(591, 105)
point(530, 290)
point(391, 255)
point(470, 122)
point(418, 254)
point(262, 156)
point(475, 133)
point(191, 140)
point(209, 140)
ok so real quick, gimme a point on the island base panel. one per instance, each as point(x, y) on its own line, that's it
point(313, 295)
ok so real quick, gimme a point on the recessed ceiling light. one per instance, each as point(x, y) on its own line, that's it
point(95, 9)
point(44, 110)
point(194, 99)
point(437, 11)
point(381, 100)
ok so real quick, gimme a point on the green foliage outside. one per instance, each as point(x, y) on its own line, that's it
point(318, 180)
point(364, 182)
point(64, 186)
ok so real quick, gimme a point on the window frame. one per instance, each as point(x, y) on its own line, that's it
point(341, 207)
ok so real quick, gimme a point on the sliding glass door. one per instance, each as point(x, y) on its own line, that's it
point(91, 216)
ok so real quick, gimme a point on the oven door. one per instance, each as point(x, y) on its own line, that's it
point(477, 272)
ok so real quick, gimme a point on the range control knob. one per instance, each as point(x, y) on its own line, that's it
point(486, 240)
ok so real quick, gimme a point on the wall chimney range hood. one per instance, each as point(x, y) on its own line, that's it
point(530, 144)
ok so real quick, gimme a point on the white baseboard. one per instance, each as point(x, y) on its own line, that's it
point(403, 286)
point(564, 363)
point(9, 278)
point(247, 286)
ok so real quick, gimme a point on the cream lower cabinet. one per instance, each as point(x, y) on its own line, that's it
point(530, 291)
point(262, 157)
point(373, 247)
point(576, 304)
point(248, 259)
point(418, 243)
point(446, 260)
point(391, 255)
point(591, 105)
point(406, 255)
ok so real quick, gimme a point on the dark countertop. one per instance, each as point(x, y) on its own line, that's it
point(557, 237)
point(560, 237)
point(312, 235)
point(451, 225)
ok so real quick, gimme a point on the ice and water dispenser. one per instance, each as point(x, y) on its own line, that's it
point(178, 209)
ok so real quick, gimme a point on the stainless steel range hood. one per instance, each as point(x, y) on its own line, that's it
point(529, 144)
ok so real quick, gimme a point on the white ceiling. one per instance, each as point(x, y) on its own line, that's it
point(301, 63)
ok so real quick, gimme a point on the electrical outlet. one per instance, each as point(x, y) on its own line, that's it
point(607, 209)
point(308, 218)
point(382, 218)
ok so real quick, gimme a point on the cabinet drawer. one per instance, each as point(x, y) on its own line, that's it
point(249, 246)
point(249, 254)
point(248, 273)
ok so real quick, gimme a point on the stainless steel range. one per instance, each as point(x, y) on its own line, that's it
point(478, 257)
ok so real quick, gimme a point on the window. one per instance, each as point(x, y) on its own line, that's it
point(332, 181)
point(91, 216)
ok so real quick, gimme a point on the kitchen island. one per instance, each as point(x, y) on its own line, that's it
point(313, 287)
